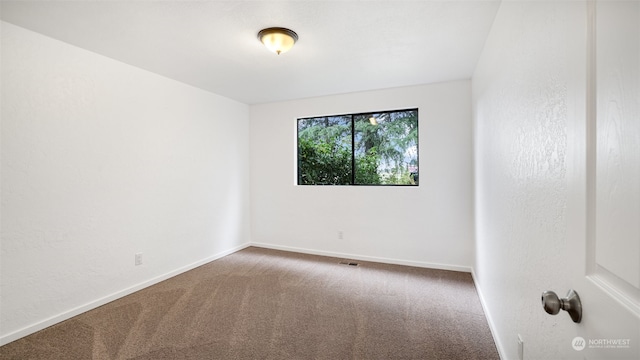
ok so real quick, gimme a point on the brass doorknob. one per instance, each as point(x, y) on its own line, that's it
point(571, 303)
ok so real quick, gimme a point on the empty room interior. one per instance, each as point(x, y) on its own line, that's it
point(164, 187)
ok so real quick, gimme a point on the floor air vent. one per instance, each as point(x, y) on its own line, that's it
point(350, 263)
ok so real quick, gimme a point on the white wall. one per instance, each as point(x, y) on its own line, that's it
point(528, 77)
point(101, 160)
point(429, 225)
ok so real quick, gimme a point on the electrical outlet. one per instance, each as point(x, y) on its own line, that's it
point(138, 259)
point(340, 235)
point(520, 348)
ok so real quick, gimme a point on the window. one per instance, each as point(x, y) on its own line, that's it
point(378, 148)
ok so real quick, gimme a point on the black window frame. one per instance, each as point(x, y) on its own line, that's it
point(353, 150)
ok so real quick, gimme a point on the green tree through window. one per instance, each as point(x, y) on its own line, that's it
point(379, 148)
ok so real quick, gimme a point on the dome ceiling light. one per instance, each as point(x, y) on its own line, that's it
point(277, 39)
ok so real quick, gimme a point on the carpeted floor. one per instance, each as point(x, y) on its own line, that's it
point(267, 304)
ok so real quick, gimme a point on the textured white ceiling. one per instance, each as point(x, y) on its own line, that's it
point(344, 46)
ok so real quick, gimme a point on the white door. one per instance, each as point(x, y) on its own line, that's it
point(604, 206)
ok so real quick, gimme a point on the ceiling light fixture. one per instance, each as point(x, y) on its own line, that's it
point(373, 121)
point(279, 40)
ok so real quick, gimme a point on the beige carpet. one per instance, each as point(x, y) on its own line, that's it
point(268, 304)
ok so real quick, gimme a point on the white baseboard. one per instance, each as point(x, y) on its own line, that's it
point(492, 327)
point(366, 258)
point(5, 339)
